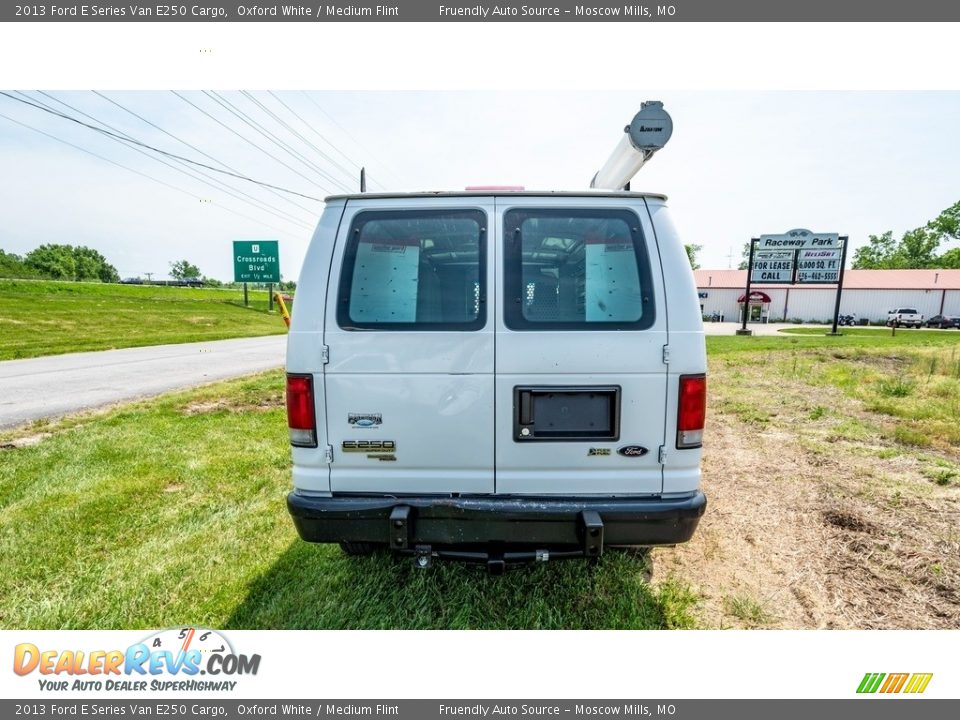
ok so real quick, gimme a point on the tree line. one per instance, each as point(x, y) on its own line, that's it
point(82, 264)
point(59, 262)
point(918, 248)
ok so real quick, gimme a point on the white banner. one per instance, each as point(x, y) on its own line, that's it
point(462, 664)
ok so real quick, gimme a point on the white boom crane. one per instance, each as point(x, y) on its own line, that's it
point(647, 133)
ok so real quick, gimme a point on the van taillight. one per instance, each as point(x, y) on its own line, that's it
point(300, 416)
point(691, 411)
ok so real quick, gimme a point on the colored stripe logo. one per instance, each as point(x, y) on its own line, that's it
point(913, 683)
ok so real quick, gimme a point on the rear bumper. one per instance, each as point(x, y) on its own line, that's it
point(583, 525)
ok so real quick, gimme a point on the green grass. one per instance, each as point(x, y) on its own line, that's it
point(816, 338)
point(48, 318)
point(172, 511)
point(747, 610)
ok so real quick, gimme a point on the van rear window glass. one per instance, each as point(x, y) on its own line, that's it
point(414, 270)
point(576, 269)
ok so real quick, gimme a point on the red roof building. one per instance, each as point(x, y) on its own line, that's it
point(869, 294)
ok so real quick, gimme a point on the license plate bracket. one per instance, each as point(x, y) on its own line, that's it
point(566, 413)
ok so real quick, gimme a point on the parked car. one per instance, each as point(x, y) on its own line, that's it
point(943, 322)
point(905, 317)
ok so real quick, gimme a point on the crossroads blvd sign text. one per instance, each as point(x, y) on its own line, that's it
point(256, 261)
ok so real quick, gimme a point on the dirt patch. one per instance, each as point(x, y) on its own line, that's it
point(808, 529)
point(848, 521)
point(263, 404)
point(24, 442)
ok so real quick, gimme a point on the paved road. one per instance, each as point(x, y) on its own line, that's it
point(61, 384)
point(730, 328)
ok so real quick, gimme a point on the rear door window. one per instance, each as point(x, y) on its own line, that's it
point(576, 270)
point(414, 270)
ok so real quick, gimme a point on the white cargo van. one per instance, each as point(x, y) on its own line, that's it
point(496, 376)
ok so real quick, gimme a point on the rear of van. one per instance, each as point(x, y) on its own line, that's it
point(496, 377)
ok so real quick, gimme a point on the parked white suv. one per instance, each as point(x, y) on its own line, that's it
point(496, 377)
point(905, 317)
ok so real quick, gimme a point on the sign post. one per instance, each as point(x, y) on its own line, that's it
point(836, 307)
point(256, 261)
point(746, 296)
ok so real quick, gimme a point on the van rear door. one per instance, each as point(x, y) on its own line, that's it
point(409, 326)
point(581, 383)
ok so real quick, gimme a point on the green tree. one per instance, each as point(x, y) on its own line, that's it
point(879, 253)
point(91, 265)
point(12, 266)
point(66, 262)
point(916, 249)
point(183, 269)
point(53, 261)
point(950, 259)
point(744, 256)
point(692, 251)
point(948, 222)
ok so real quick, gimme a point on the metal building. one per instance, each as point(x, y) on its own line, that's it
point(867, 294)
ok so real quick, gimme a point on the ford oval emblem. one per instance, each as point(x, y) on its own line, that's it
point(632, 451)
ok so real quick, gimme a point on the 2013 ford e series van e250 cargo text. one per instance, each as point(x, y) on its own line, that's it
point(498, 376)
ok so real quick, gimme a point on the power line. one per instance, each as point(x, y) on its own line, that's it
point(196, 149)
point(312, 128)
point(231, 108)
point(244, 138)
point(319, 135)
point(349, 135)
point(285, 146)
point(297, 134)
point(158, 150)
point(221, 186)
point(258, 203)
point(136, 172)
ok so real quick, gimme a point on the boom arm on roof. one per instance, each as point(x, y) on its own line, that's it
point(649, 131)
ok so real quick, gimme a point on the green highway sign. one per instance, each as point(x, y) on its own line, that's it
point(256, 261)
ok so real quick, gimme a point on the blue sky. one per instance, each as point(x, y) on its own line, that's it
point(739, 163)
